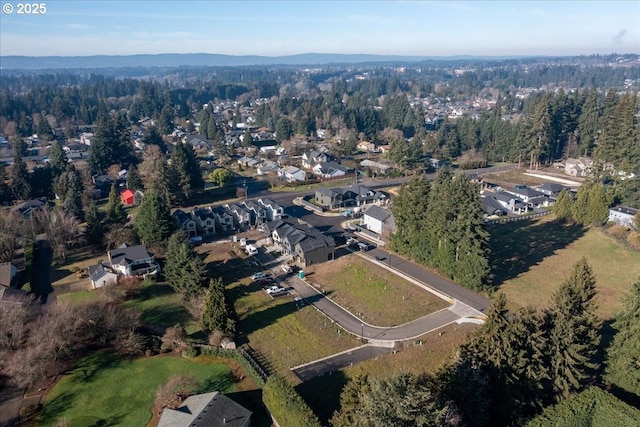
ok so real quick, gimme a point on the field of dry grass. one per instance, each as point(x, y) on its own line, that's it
point(533, 258)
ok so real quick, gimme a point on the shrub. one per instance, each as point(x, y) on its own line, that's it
point(618, 231)
point(634, 240)
point(190, 352)
point(173, 338)
point(175, 390)
point(285, 404)
point(215, 338)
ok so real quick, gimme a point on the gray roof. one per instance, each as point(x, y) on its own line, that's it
point(551, 187)
point(181, 217)
point(376, 212)
point(11, 295)
point(125, 255)
point(625, 210)
point(203, 214)
point(526, 191)
point(208, 409)
point(270, 203)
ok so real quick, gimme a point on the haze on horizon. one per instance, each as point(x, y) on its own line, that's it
point(277, 28)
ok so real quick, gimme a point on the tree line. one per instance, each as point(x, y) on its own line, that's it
point(515, 365)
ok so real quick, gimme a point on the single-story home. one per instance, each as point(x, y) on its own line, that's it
point(206, 410)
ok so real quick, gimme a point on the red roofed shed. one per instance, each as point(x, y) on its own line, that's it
point(128, 197)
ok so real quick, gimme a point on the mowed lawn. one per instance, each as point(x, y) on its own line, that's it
point(104, 390)
point(533, 258)
point(373, 293)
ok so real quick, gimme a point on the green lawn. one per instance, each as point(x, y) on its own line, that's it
point(104, 390)
point(373, 293)
point(533, 258)
point(159, 305)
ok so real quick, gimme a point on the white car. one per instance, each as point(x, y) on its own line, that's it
point(272, 290)
point(257, 276)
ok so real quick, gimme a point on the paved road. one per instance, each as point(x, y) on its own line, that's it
point(339, 361)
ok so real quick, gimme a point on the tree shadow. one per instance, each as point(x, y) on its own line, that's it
point(59, 273)
point(517, 246)
point(263, 318)
point(216, 383)
point(53, 408)
point(230, 270)
point(154, 291)
point(322, 394)
point(168, 314)
point(87, 368)
point(252, 400)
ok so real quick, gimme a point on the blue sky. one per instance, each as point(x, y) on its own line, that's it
point(273, 28)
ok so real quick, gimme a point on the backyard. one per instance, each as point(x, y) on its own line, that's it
point(105, 390)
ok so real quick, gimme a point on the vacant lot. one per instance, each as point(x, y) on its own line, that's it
point(375, 294)
point(104, 390)
point(533, 258)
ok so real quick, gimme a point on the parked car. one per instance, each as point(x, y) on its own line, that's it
point(363, 246)
point(264, 282)
point(258, 275)
point(274, 290)
point(286, 268)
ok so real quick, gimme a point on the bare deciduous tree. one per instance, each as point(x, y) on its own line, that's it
point(12, 233)
point(62, 229)
point(176, 389)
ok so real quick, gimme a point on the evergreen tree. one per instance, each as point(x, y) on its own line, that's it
point(73, 204)
point(247, 139)
point(115, 211)
point(580, 208)
point(215, 315)
point(186, 169)
point(574, 336)
point(563, 206)
point(410, 211)
point(95, 229)
point(185, 270)
point(153, 137)
point(57, 159)
point(599, 202)
point(588, 122)
point(153, 222)
point(20, 188)
point(623, 356)
point(111, 145)
point(134, 181)
point(350, 401)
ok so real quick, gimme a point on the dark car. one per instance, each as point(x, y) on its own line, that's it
point(264, 282)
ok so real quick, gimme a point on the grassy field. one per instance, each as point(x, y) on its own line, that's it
point(323, 393)
point(104, 390)
point(533, 258)
point(376, 295)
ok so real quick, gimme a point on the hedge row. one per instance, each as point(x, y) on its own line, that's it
point(593, 407)
point(285, 404)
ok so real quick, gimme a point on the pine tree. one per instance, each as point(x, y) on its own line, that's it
point(623, 356)
point(574, 335)
point(20, 188)
point(115, 211)
point(186, 169)
point(410, 213)
point(563, 206)
point(215, 315)
point(134, 181)
point(580, 207)
point(588, 122)
point(153, 222)
point(185, 270)
point(599, 202)
point(350, 401)
point(111, 145)
point(95, 228)
point(57, 159)
point(153, 137)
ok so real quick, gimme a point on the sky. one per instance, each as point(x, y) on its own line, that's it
point(276, 28)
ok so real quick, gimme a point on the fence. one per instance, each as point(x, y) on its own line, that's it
point(516, 218)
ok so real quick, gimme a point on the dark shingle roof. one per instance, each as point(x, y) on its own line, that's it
point(376, 212)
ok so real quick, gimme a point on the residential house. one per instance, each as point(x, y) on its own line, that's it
point(491, 207)
point(223, 218)
point(550, 189)
point(86, 138)
point(292, 174)
point(623, 215)
point(437, 163)
point(314, 248)
point(313, 157)
point(266, 168)
point(329, 197)
point(197, 142)
point(375, 166)
point(258, 212)
point(206, 410)
point(99, 276)
point(8, 275)
point(131, 261)
point(530, 196)
point(205, 220)
point(241, 217)
point(377, 219)
point(368, 147)
point(329, 170)
point(274, 211)
point(185, 222)
point(27, 207)
point(508, 201)
point(578, 167)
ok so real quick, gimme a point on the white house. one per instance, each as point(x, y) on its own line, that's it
point(623, 215)
point(274, 210)
point(376, 219)
point(86, 138)
point(578, 167)
point(292, 174)
point(132, 261)
point(99, 276)
point(329, 170)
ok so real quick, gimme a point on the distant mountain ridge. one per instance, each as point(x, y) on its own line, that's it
point(207, 59)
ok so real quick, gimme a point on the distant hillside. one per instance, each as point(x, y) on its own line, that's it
point(200, 59)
